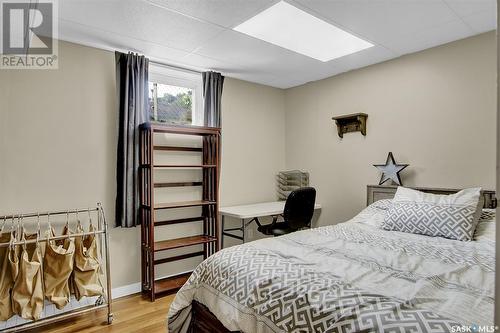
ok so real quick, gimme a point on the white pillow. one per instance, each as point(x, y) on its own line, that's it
point(374, 214)
point(452, 216)
point(469, 196)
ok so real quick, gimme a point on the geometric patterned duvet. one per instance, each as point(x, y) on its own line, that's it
point(351, 277)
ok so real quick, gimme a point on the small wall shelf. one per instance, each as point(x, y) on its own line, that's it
point(351, 123)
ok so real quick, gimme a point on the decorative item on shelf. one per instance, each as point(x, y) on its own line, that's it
point(351, 123)
point(390, 170)
point(288, 181)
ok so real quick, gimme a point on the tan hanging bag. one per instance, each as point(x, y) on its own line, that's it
point(87, 272)
point(6, 281)
point(13, 257)
point(58, 266)
point(27, 272)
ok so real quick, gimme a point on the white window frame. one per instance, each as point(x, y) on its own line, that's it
point(163, 74)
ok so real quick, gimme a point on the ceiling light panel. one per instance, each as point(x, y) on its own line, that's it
point(291, 28)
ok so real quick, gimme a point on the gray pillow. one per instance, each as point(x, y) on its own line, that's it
point(450, 216)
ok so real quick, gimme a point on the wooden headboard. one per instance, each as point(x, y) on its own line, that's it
point(379, 192)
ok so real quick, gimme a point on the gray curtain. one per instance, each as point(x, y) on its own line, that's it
point(212, 94)
point(132, 86)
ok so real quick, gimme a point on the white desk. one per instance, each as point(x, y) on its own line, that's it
point(252, 212)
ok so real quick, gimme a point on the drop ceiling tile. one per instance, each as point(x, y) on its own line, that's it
point(208, 63)
point(139, 20)
point(379, 20)
point(482, 22)
point(178, 32)
point(227, 13)
point(249, 75)
point(238, 70)
point(365, 58)
point(307, 74)
point(470, 7)
point(284, 82)
point(247, 52)
point(357, 60)
point(76, 33)
point(430, 37)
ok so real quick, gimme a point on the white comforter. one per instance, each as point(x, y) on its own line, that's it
point(350, 277)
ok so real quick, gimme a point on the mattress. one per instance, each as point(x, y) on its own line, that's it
point(350, 277)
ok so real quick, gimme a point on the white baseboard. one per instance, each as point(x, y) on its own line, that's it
point(122, 291)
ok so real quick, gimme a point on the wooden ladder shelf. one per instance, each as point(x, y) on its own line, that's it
point(209, 203)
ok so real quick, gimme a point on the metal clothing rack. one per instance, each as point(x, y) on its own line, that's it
point(103, 302)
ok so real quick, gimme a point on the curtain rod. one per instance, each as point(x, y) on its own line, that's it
point(174, 67)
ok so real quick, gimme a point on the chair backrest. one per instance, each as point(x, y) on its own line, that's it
point(299, 207)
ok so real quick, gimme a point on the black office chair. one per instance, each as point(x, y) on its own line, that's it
point(299, 210)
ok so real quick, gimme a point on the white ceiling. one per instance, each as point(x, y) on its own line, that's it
point(197, 34)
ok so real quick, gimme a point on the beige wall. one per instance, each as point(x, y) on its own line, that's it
point(58, 140)
point(59, 143)
point(253, 145)
point(434, 109)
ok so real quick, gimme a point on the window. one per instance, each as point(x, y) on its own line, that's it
point(170, 104)
point(175, 96)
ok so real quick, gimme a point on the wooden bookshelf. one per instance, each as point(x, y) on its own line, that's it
point(182, 204)
point(209, 203)
point(170, 284)
point(174, 148)
point(182, 166)
point(178, 184)
point(182, 242)
point(176, 221)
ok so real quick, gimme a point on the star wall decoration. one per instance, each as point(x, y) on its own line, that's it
point(390, 170)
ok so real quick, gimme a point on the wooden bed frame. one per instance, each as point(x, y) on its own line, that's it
point(204, 321)
point(379, 192)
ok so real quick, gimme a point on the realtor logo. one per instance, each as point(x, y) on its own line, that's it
point(29, 34)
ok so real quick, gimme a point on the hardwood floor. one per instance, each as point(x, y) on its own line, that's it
point(131, 314)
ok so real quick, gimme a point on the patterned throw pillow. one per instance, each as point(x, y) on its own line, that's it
point(449, 216)
point(431, 220)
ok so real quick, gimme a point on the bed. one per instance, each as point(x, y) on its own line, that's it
point(351, 277)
